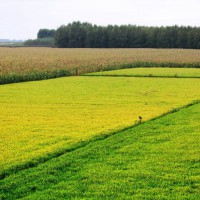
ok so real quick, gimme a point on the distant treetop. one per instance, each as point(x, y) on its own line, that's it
point(46, 33)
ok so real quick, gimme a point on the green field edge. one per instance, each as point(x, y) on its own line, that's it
point(101, 136)
point(140, 76)
point(76, 71)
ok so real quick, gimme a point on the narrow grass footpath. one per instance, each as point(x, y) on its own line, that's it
point(158, 159)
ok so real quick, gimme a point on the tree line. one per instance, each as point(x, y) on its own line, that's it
point(83, 35)
point(86, 35)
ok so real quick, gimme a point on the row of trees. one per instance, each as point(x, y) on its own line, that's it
point(86, 35)
point(81, 35)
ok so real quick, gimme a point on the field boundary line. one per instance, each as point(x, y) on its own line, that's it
point(101, 136)
point(139, 76)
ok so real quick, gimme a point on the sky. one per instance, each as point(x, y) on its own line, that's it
point(22, 19)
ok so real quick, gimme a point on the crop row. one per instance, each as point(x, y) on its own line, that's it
point(26, 64)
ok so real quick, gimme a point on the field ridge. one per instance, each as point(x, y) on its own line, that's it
point(139, 76)
point(49, 156)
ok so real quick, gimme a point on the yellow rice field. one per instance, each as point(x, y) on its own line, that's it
point(40, 118)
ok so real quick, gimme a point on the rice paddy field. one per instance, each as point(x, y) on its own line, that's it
point(102, 135)
point(40, 118)
point(158, 159)
point(152, 72)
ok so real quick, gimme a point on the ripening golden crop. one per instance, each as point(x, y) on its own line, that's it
point(40, 118)
point(23, 61)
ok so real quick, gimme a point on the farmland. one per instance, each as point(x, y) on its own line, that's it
point(42, 118)
point(25, 64)
point(97, 136)
point(152, 72)
point(156, 160)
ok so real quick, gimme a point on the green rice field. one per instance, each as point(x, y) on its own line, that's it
point(152, 72)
